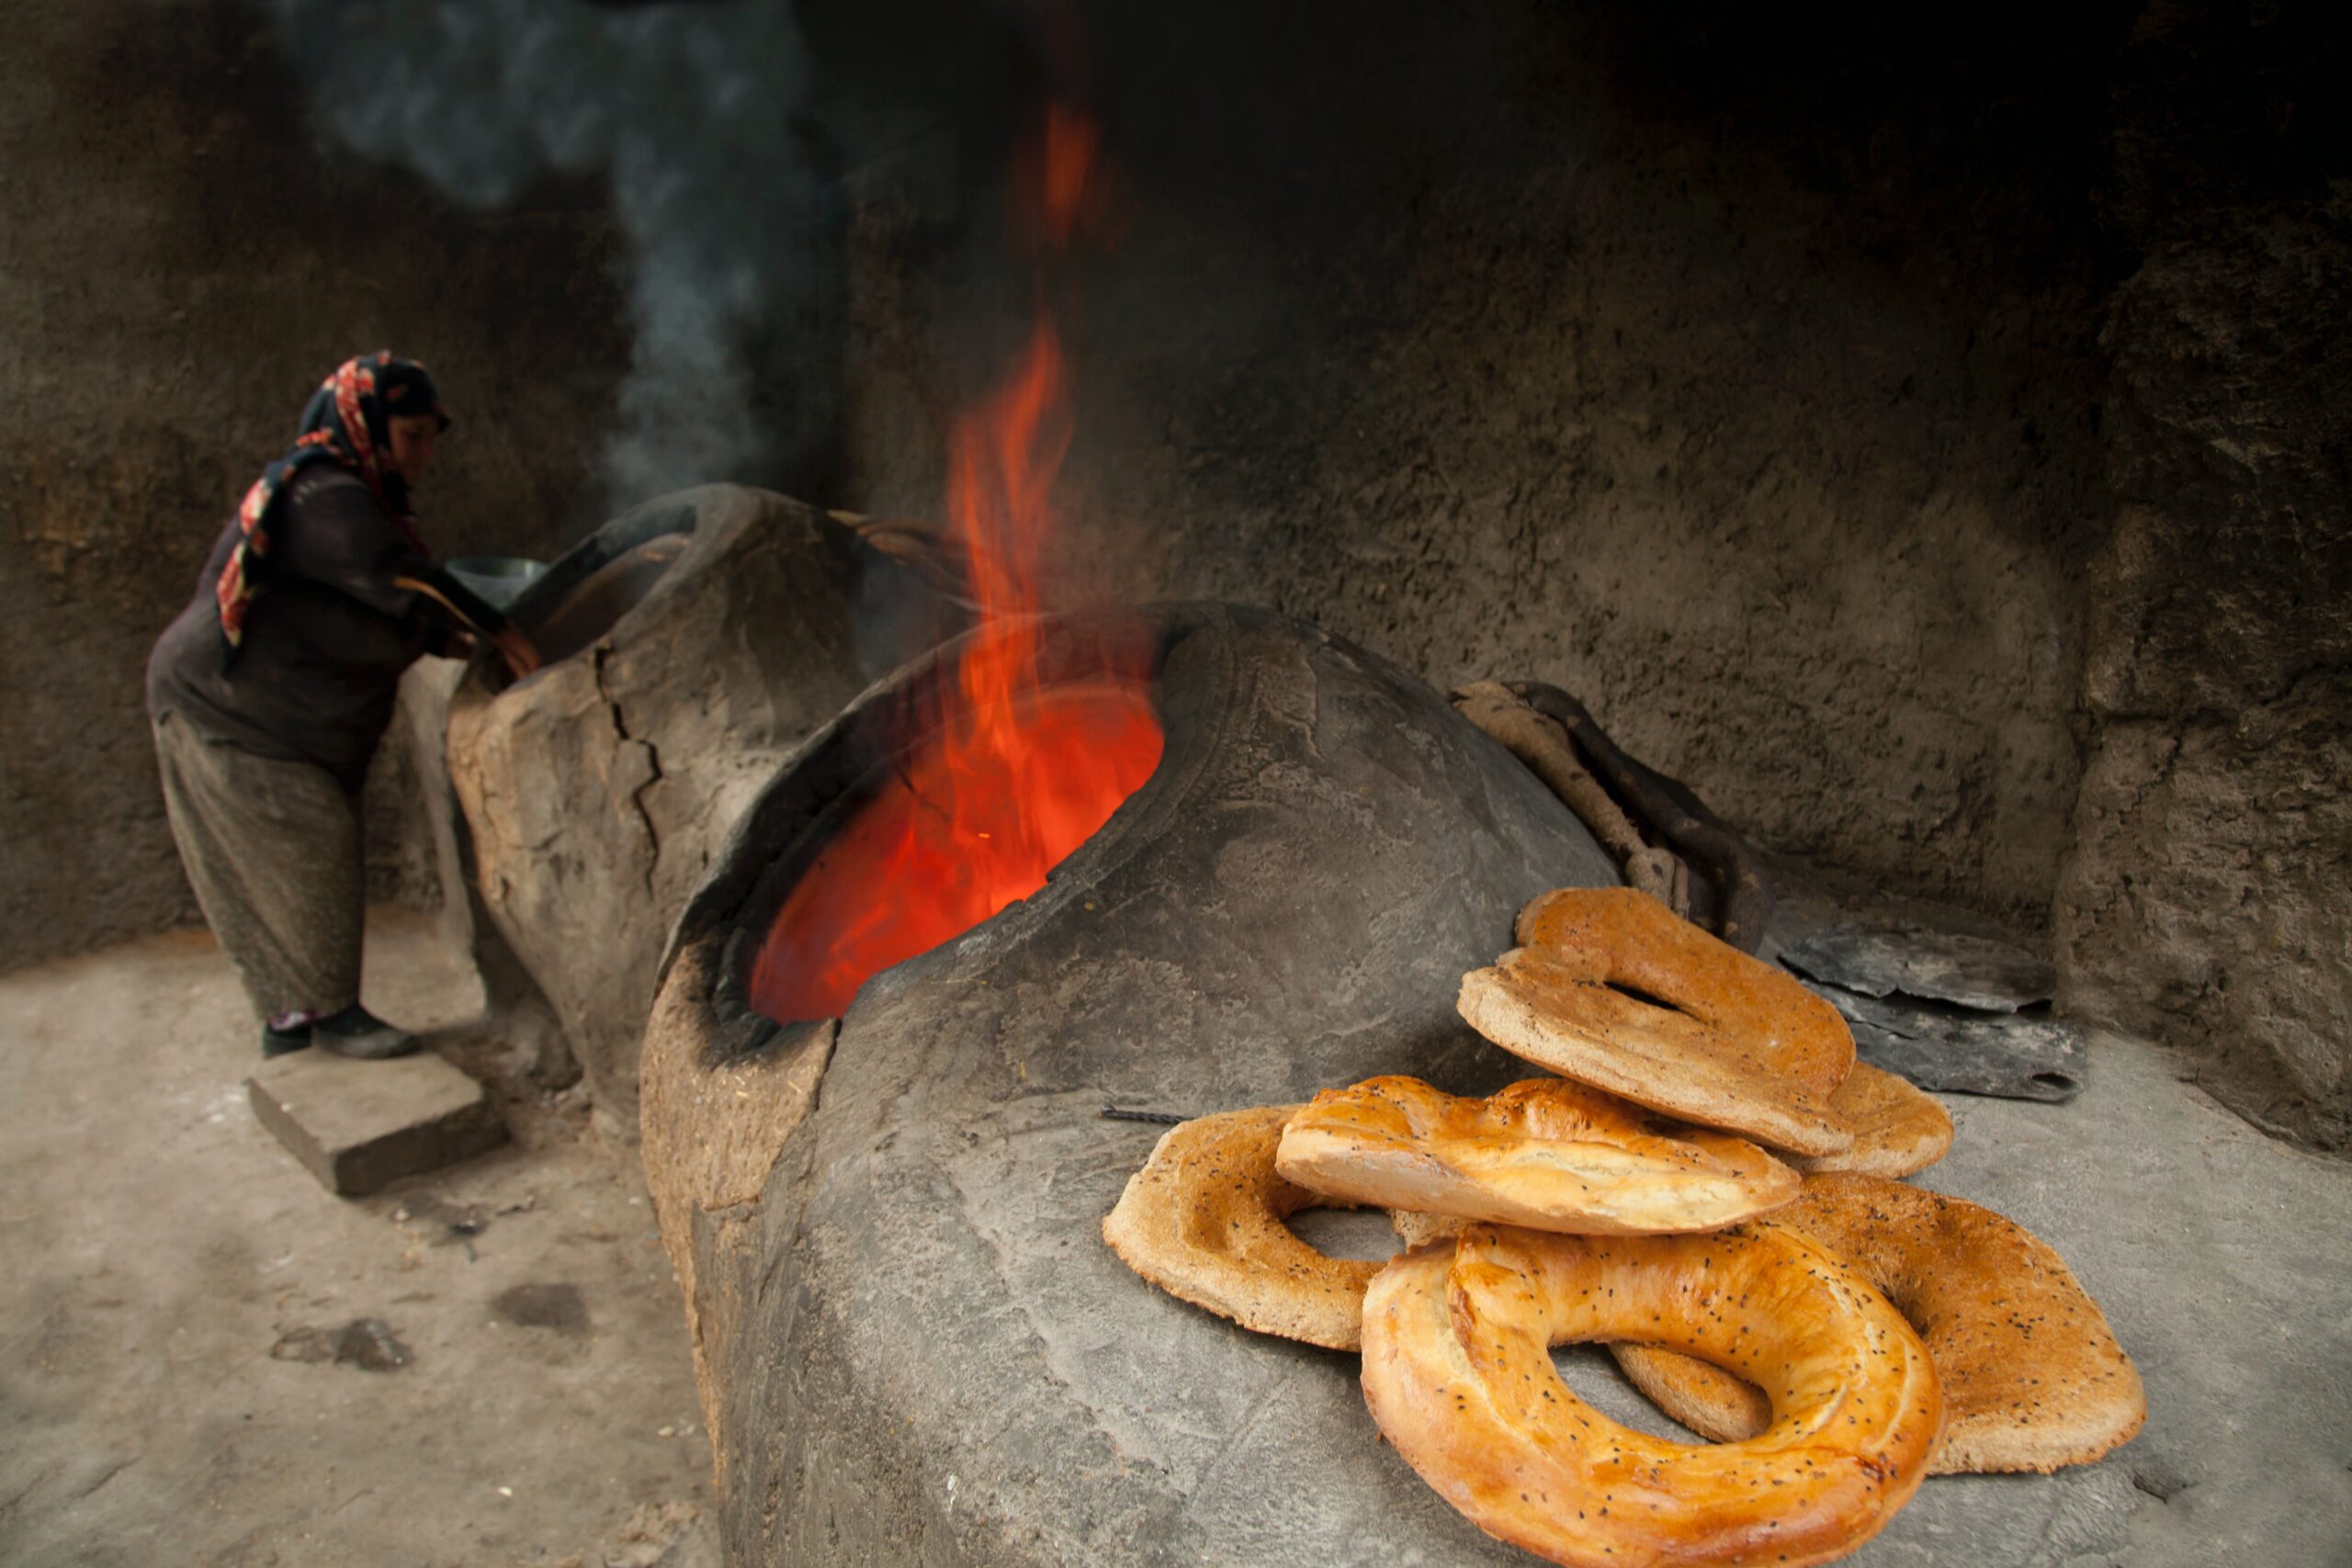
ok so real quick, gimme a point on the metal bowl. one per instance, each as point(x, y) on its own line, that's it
point(500, 580)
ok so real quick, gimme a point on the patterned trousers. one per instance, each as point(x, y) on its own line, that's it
point(273, 849)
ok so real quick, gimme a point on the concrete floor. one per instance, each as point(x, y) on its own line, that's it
point(2224, 1261)
point(159, 1245)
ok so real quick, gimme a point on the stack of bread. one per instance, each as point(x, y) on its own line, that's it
point(1709, 1185)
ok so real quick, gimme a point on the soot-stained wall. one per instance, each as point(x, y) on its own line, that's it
point(182, 257)
point(1921, 434)
point(1741, 377)
point(1923, 437)
point(2205, 899)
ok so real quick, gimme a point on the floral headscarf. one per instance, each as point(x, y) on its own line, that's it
point(349, 423)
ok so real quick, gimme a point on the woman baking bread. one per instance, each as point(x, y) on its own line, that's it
point(270, 691)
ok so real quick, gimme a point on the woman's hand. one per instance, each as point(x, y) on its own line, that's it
point(522, 658)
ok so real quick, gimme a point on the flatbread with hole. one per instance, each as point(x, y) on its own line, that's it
point(2032, 1376)
point(1899, 1128)
point(1203, 1221)
point(1608, 987)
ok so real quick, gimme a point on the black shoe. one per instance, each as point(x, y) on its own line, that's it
point(284, 1041)
point(356, 1032)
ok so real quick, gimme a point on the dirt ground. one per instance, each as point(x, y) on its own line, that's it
point(178, 1380)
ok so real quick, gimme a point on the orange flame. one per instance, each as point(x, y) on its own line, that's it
point(1064, 160)
point(1017, 776)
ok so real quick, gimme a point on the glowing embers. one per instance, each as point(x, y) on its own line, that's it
point(966, 824)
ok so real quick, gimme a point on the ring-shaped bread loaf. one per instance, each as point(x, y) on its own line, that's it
point(1608, 987)
point(1898, 1127)
point(1546, 1153)
point(2032, 1376)
point(1203, 1220)
point(1457, 1369)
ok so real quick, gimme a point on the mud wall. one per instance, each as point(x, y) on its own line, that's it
point(2205, 900)
point(1923, 437)
point(1740, 375)
point(183, 258)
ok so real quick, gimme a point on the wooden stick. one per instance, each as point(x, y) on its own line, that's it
point(1542, 744)
point(1744, 898)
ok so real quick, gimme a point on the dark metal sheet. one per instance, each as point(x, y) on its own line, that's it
point(1913, 959)
point(2013, 1055)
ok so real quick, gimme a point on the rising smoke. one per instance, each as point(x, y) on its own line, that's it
point(691, 108)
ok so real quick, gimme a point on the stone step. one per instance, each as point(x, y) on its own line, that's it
point(359, 1126)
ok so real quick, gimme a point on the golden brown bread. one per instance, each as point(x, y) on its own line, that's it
point(1457, 1370)
point(1415, 1229)
point(1203, 1220)
point(1609, 989)
point(2032, 1376)
point(1547, 1152)
point(1898, 1127)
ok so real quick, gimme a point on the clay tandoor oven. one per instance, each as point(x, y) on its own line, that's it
point(690, 644)
point(913, 1345)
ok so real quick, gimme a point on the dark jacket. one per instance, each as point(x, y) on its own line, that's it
point(329, 632)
